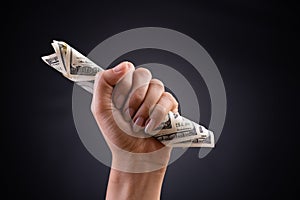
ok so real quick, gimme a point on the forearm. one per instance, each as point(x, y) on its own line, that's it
point(124, 185)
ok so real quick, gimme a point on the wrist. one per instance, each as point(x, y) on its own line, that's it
point(131, 162)
point(126, 185)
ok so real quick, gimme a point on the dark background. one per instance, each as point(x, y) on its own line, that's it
point(251, 42)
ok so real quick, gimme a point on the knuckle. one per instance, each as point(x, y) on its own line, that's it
point(167, 95)
point(157, 83)
point(170, 98)
point(143, 72)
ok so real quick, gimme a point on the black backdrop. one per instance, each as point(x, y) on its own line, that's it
point(252, 44)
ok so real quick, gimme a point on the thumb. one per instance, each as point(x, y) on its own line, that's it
point(104, 84)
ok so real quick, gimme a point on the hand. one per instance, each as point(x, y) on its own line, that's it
point(126, 103)
point(127, 100)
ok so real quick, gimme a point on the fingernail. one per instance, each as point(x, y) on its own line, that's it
point(119, 101)
point(128, 113)
point(147, 122)
point(137, 126)
point(150, 126)
point(119, 68)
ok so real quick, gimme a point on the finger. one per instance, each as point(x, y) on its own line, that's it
point(140, 83)
point(155, 90)
point(122, 89)
point(165, 104)
point(103, 86)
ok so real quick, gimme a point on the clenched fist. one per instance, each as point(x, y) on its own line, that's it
point(128, 103)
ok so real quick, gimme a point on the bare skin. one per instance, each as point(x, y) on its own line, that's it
point(126, 103)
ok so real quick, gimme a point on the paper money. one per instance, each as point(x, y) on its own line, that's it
point(175, 131)
point(71, 63)
point(207, 142)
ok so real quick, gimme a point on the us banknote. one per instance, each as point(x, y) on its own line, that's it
point(175, 131)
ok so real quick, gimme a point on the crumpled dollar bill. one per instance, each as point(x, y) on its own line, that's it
point(175, 131)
